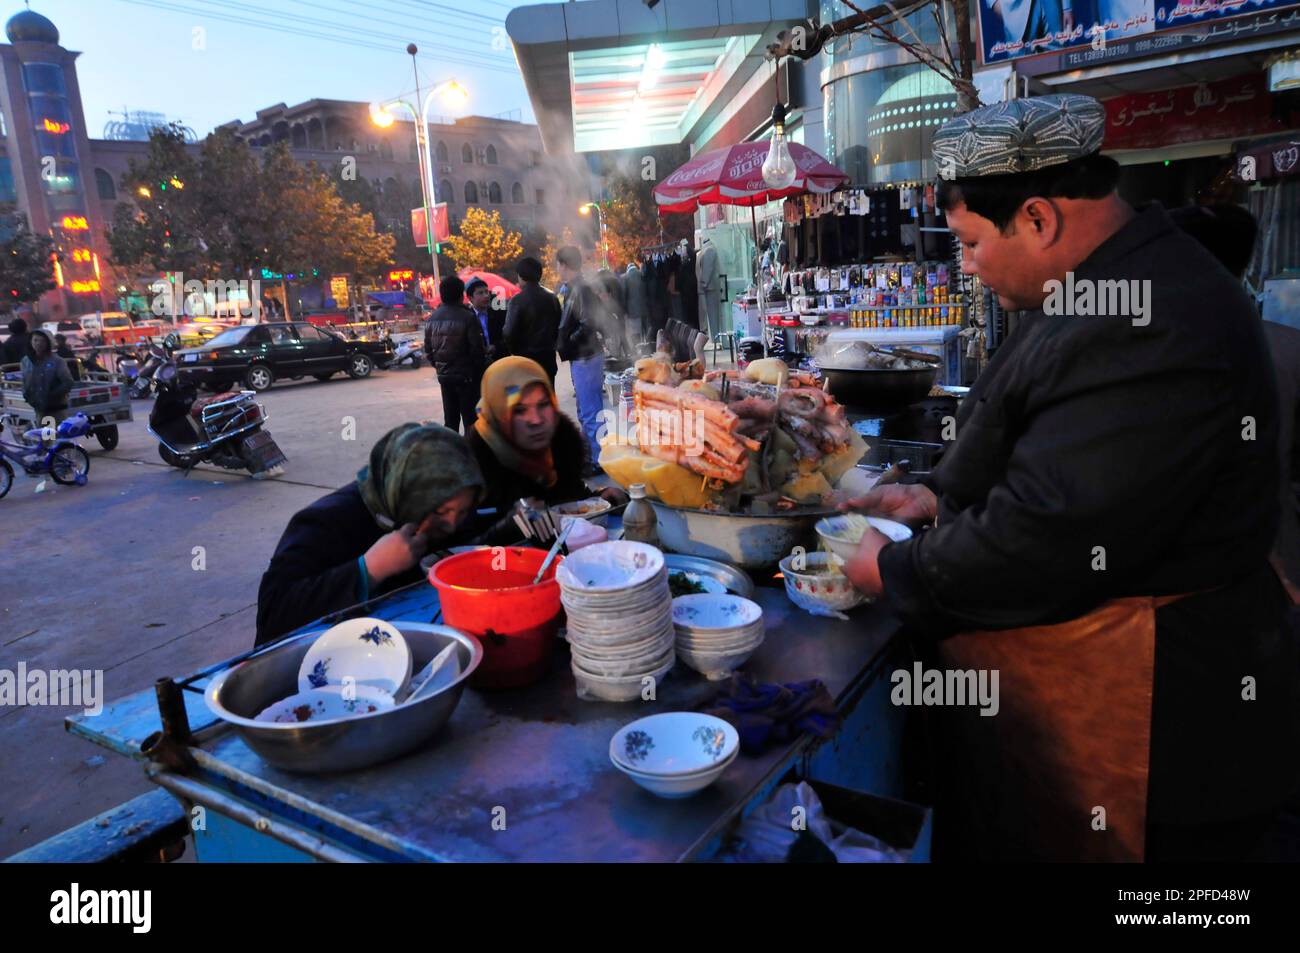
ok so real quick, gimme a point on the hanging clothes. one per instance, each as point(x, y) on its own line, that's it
point(688, 288)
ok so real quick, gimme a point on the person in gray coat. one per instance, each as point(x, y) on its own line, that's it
point(634, 298)
point(708, 280)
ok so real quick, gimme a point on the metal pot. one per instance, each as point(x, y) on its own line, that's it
point(741, 539)
point(879, 392)
point(239, 693)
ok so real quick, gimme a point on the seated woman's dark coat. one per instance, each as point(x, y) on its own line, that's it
point(315, 568)
point(504, 486)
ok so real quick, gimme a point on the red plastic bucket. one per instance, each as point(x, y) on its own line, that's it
point(490, 594)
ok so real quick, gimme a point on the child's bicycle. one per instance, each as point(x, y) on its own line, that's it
point(49, 450)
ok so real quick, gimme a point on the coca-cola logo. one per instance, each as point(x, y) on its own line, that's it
point(693, 173)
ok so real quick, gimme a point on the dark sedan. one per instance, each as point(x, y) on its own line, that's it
point(257, 355)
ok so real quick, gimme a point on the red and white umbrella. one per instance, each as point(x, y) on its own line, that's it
point(734, 176)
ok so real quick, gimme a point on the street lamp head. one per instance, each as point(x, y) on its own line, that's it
point(584, 209)
point(380, 116)
point(412, 49)
point(455, 94)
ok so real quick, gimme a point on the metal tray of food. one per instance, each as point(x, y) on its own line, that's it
point(736, 580)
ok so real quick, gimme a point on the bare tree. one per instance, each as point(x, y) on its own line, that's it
point(953, 59)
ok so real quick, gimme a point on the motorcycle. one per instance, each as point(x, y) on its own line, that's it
point(408, 352)
point(225, 429)
point(143, 384)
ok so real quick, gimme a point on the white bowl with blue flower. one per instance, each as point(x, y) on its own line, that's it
point(674, 754)
point(363, 652)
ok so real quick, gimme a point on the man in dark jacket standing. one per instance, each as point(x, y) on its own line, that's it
point(533, 319)
point(454, 341)
point(15, 348)
point(1098, 536)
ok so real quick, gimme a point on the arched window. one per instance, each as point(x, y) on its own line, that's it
point(445, 192)
point(440, 153)
point(104, 183)
point(385, 150)
point(494, 193)
point(491, 155)
point(466, 153)
point(517, 194)
point(471, 192)
point(390, 186)
point(413, 154)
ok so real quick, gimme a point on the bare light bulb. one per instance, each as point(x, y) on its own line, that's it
point(779, 171)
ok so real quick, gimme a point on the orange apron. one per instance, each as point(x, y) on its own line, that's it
point(1072, 735)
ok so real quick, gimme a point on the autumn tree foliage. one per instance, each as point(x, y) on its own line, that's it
point(482, 242)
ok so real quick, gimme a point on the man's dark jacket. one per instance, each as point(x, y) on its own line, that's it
point(453, 340)
point(15, 348)
point(578, 337)
point(1154, 447)
point(533, 324)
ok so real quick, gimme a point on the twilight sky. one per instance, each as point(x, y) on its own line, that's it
point(205, 62)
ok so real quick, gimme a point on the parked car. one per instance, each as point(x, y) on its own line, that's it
point(257, 355)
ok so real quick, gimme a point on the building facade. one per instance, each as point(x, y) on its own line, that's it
point(497, 164)
point(68, 184)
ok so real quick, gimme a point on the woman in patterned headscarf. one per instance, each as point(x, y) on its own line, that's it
point(524, 445)
point(367, 538)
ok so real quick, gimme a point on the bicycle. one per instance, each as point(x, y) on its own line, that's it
point(47, 450)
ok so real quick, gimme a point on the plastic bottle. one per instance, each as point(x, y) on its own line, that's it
point(640, 525)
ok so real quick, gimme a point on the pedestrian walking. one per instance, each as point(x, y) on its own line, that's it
point(456, 344)
point(533, 319)
point(16, 346)
point(579, 343)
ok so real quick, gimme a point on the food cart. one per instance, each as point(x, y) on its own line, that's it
point(520, 775)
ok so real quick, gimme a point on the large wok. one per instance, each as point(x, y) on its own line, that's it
point(878, 392)
point(749, 541)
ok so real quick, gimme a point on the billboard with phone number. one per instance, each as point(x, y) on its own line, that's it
point(1010, 29)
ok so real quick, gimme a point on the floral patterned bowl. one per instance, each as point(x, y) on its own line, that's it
point(817, 585)
point(841, 534)
point(367, 651)
point(709, 612)
point(674, 744)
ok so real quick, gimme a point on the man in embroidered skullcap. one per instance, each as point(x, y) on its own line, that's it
point(1099, 533)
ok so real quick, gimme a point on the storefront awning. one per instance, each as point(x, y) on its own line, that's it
point(615, 74)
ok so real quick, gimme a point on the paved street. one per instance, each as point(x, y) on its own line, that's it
point(102, 577)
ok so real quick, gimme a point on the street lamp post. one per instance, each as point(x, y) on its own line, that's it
point(382, 116)
point(600, 220)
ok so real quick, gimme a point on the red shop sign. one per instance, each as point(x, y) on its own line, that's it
point(1226, 109)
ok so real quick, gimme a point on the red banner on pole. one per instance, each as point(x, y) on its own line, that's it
point(419, 227)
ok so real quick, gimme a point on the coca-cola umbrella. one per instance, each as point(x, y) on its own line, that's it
point(734, 176)
point(502, 289)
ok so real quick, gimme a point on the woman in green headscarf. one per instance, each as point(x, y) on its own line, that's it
point(366, 538)
point(524, 445)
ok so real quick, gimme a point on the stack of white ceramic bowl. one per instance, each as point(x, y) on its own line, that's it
point(716, 632)
point(675, 753)
point(620, 623)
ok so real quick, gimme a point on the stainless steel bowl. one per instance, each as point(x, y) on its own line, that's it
point(741, 539)
point(343, 744)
